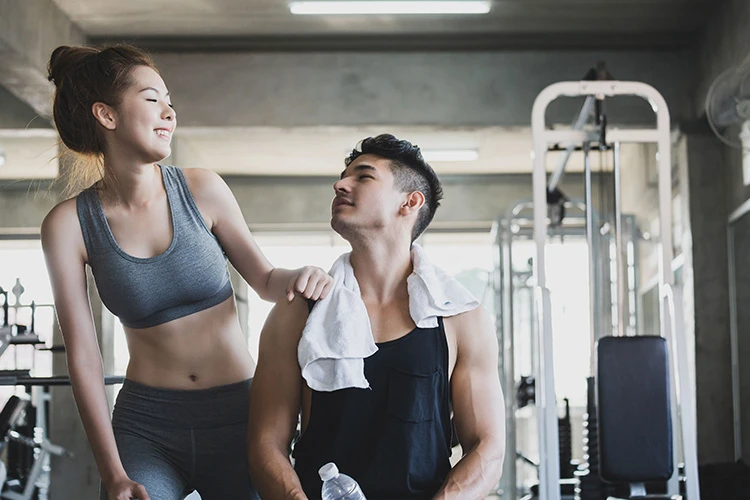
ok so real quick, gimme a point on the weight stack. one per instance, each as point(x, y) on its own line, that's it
point(565, 437)
point(591, 486)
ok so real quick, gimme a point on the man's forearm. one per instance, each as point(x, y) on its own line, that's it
point(475, 474)
point(273, 475)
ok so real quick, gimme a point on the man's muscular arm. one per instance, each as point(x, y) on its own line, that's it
point(275, 403)
point(479, 413)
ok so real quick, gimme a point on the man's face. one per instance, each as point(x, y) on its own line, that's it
point(366, 200)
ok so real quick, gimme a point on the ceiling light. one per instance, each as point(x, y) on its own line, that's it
point(438, 155)
point(390, 7)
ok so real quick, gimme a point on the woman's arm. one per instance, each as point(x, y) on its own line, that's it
point(223, 216)
point(65, 254)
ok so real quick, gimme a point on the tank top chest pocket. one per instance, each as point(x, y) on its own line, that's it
point(412, 396)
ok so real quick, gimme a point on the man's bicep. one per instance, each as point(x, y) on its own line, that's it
point(478, 405)
point(275, 395)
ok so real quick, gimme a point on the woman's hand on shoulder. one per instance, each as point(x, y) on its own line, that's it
point(311, 283)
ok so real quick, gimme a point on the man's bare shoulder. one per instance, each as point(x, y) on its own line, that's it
point(471, 326)
point(478, 317)
point(286, 321)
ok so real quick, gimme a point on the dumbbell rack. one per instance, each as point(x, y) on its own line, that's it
point(29, 446)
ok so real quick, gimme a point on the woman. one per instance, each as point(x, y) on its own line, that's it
point(156, 239)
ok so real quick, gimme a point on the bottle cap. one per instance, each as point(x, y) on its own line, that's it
point(328, 471)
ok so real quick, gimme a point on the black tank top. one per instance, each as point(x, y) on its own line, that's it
point(394, 439)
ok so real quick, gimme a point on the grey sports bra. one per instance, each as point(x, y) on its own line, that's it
point(189, 276)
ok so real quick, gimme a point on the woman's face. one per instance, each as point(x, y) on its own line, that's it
point(145, 118)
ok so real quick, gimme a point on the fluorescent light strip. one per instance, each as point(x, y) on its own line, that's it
point(446, 155)
point(390, 7)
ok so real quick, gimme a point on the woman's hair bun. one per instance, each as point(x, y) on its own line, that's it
point(64, 60)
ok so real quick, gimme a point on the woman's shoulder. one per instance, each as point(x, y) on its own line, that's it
point(62, 220)
point(199, 178)
point(63, 211)
point(204, 184)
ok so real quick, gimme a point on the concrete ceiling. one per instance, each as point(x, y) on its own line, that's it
point(222, 24)
point(184, 25)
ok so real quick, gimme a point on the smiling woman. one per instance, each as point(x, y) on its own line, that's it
point(157, 239)
point(74, 70)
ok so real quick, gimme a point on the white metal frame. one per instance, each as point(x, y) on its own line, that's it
point(670, 296)
point(505, 323)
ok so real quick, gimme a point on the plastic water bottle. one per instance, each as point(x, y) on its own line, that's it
point(337, 486)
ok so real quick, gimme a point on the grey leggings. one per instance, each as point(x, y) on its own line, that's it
point(173, 442)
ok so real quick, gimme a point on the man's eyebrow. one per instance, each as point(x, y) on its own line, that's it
point(152, 88)
point(360, 167)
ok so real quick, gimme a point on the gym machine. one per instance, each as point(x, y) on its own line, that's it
point(660, 395)
point(514, 321)
point(23, 420)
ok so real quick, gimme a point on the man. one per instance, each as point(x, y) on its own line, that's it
point(394, 437)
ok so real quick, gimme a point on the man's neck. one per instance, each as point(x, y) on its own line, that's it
point(381, 269)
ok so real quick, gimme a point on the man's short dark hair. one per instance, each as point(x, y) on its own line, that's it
point(410, 173)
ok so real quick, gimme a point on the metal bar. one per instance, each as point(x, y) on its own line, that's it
point(668, 310)
point(558, 136)
point(504, 301)
point(686, 411)
point(613, 135)
point(549, 467)
point(637, 490)
point(578, 124)
point(56, 380)
point(734, 340)
point(619, 274)
point(589, 197)
point(628, 135)
point(633, 285)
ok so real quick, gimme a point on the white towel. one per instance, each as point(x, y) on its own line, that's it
point(338, 336)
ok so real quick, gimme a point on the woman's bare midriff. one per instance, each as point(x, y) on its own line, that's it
point(203, 350)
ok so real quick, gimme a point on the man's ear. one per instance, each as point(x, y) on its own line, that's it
point(105, 115)
point(412, 203)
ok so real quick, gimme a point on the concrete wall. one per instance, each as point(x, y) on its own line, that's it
point(24, 204)
point(426, 88)
point(711, 296)
point(16, 114)
point(725, 43)
point(29, 32)
point(716, 189)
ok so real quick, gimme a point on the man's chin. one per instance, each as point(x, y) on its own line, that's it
point(340, 227)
